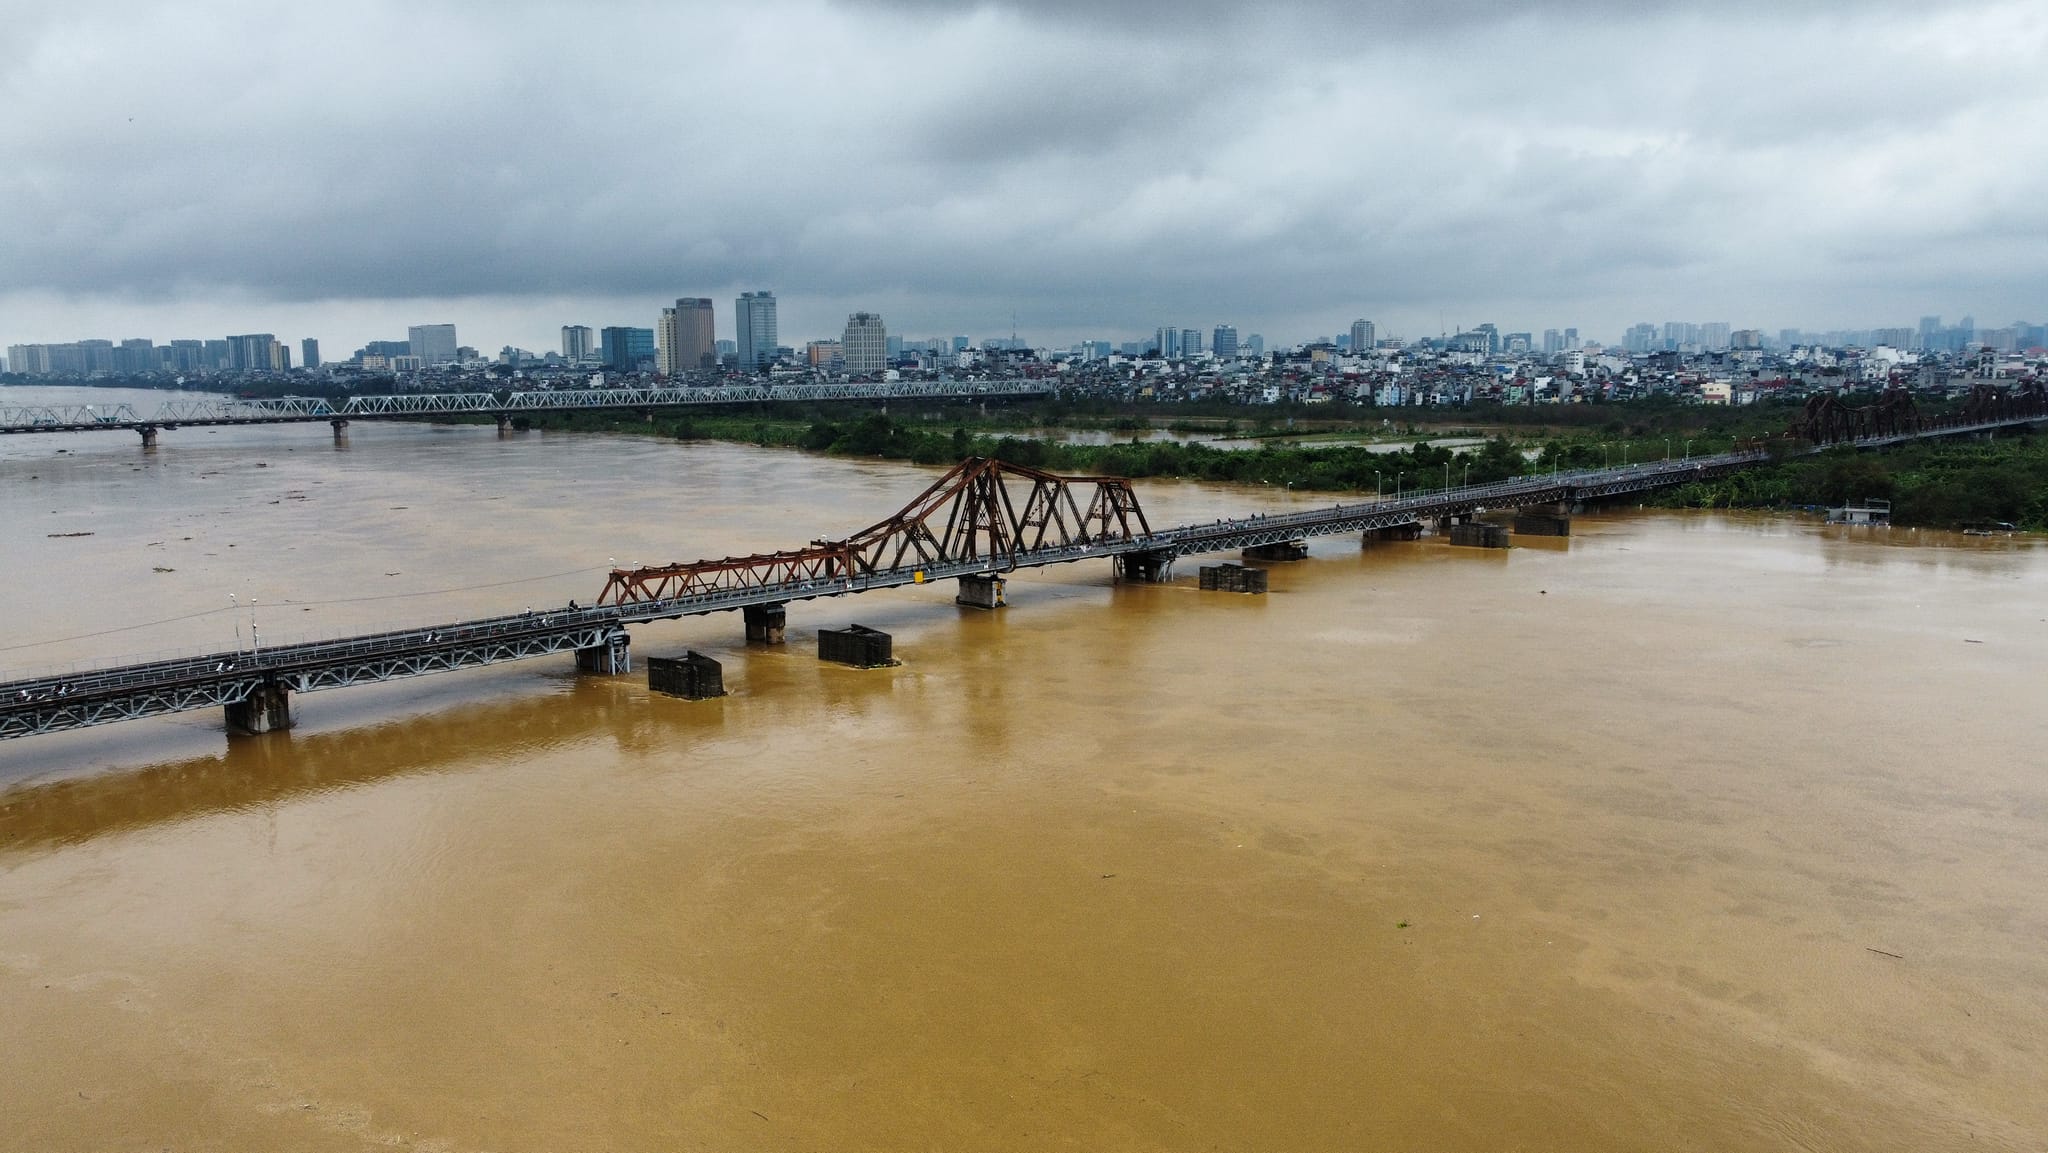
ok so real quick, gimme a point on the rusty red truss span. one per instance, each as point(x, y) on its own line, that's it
point(982, 510)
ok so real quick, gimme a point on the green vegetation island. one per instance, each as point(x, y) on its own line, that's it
point(1949, 484)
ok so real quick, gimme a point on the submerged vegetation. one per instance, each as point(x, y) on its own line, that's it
point(1939, 484)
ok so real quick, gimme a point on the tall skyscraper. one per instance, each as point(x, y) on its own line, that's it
point(754, 327)
point(255, 352)
point(1714, 336)
point(1223, 342)
point(866, 344)
point(309, 353)
point(1167, 340)
point(432, 343)
point(1362, 337)
point(686, 339)
point(578, 345)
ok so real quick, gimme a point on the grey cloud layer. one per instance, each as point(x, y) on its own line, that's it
point(1572, 163)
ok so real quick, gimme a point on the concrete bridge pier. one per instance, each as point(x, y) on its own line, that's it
point(609, 659)
point(1544, 520)
point(765, 623)
point(148, 432)
point(504, 424)
point(980, 591)
point(1281, 550)
point(267, 709)
point(1153, 567)
point(340, 428)
point(1410, 531)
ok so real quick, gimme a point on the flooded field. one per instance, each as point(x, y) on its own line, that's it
point(1692, 831)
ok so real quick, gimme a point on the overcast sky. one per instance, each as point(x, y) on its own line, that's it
point(1092, 168)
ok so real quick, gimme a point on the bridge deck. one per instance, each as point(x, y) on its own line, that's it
point(101, 696)
point(412, 406)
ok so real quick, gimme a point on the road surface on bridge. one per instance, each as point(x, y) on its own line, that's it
point(985, 534)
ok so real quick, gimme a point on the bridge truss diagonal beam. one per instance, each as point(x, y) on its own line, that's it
point(970, 516)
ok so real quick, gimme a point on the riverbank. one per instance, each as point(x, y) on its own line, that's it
point(1945, 484)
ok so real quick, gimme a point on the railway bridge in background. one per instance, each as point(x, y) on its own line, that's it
point(505, 407)
point(978, 523)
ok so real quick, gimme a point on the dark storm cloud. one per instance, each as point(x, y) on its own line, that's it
point(1096, 167)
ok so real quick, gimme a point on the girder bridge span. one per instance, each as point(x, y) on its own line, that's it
point(978, 522)
point(505, 406)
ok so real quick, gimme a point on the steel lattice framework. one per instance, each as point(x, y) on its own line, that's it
point(982, 517)
point(967, 520)
point(399, 406)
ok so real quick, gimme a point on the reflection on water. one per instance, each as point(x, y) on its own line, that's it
point(1722, 826)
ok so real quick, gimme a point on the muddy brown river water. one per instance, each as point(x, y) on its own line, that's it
point(1695, 832)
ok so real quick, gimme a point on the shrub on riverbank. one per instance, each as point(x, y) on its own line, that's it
point(1934, 484)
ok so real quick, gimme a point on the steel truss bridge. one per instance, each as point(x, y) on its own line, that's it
point(502, 405)
point(978, 522)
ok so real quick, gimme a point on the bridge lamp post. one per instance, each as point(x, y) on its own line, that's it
point(1447, 475)
point(1667, 448)
point(1603, 454)
point(1688, 450)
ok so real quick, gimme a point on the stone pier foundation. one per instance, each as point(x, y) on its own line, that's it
point(148, 432)
point(979, 591)
point(1282, 550)
point(268, 709)
point(609, 659)
point(1145, 567)
point(1410, 531)
point(765, 623)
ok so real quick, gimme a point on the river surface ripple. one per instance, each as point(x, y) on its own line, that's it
point(1695, 831)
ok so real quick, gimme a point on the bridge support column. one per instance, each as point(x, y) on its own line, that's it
point(504, 424)
point(340, 428)
point(1410, 531)
point(765, 623)
point(267, 709)
point(1146, 567)
point(148, 432)
point(609, 659)
point(1280, 550)
point(980, 591)
point(1554, 520)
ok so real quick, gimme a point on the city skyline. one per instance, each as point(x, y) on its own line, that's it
point(1050, 161)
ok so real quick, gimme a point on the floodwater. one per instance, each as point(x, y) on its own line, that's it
point(1693, 832)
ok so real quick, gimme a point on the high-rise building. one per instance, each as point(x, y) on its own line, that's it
point(866, 343)
point(1571, 340)
point(627, 349)
point(1362, 338)
point(754, 327)
point(1553, 342)
point(432, 343)
point(309, 353)
point(1255, 345)
point(256, 352)
point(135, 357)
point(686, 341)
point(1190, 343)
point(1714, 336)
point(1223, 342)
point(1167, 340)
point(579, 345)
